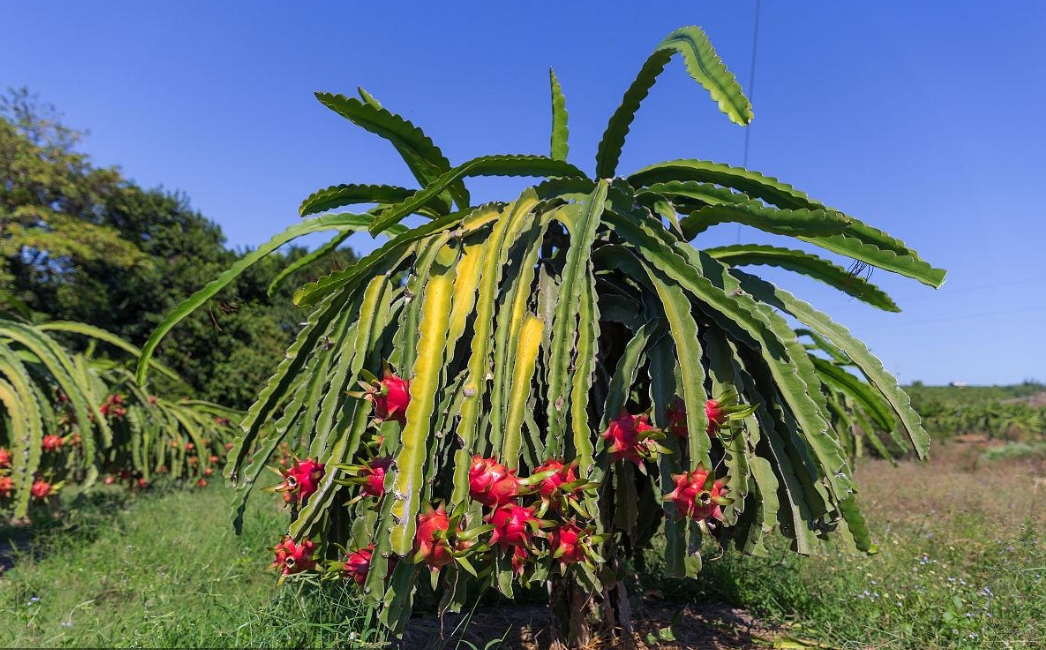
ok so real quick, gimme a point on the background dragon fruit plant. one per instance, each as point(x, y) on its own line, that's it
point(528, 391)
point(71, 418)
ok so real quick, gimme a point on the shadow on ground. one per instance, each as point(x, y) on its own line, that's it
point(693, 627)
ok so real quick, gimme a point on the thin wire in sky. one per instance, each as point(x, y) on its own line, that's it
point(751, 89)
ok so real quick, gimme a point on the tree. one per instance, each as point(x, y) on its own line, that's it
point(549, 382)
point(51, 205)
point(83, 244)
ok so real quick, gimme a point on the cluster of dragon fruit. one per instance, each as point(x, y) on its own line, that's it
point(527, 520)
point(60, 448)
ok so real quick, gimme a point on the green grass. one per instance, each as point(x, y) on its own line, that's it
point(962, 564)
point(164, 571)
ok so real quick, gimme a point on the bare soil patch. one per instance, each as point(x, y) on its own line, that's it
point(694, 627)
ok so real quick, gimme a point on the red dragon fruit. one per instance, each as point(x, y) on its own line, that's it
point(519, 560)
point(41, 489)
point(53, 443)
point(565, 542)
point(390, 397)
point(430, 541)
point(714, 411)
point(375, 473)
point(302, 479)
point(294, 558)
point(111, 407)
point(5, 458)
point(7, 486)
point(629, 437)
point(551, 489)
point(357, 564)
point(717, 417)
point(677, 419)
point(491, 483)
point(512, 525)
point(692, 498)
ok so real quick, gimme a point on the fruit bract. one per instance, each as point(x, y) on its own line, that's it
point(512, 526)
point(696, 497)
point(491, 483)
point(302, 480)
point(357, 564)
point(294, 558)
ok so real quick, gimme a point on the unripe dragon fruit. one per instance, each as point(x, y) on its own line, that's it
point(677, 419)
point(7, 486)
point(5, 458)
point(53, 443)
point(512, 525)
point(693, 500)
point(357, 564)
point(375, 472)
point(491, 483)
point(565, 542)
point(302, 479)
point(294, 558)
point(41, 489)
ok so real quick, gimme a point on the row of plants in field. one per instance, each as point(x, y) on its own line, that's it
point(70, 418)
point(527, 392)
point(1016, 421)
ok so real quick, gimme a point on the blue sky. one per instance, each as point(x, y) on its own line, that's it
point(920, 118)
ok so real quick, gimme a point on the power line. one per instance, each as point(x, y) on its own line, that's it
point(751, 75)
point(751, 89)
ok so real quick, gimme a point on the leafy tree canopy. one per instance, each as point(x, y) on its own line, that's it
point(80, 242)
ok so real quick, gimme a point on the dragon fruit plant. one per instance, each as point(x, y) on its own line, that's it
point(569, 372)
point(66, 418)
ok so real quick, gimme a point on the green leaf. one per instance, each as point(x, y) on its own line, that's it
point(794, 223)
point(807, 264)
point(337, 196)
point(857, 351)
point(560, 133)
point(539, 166)
point(193, 302)
point(422, 156)
point(703, 65)
point(581, 220)
point(706, 68)
point(754, 184)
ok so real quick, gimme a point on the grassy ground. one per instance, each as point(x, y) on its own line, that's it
point(962, 565)
point(162, 571)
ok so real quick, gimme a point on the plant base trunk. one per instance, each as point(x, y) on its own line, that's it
point(585, 620)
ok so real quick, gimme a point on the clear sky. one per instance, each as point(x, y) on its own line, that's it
point(922, 118)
